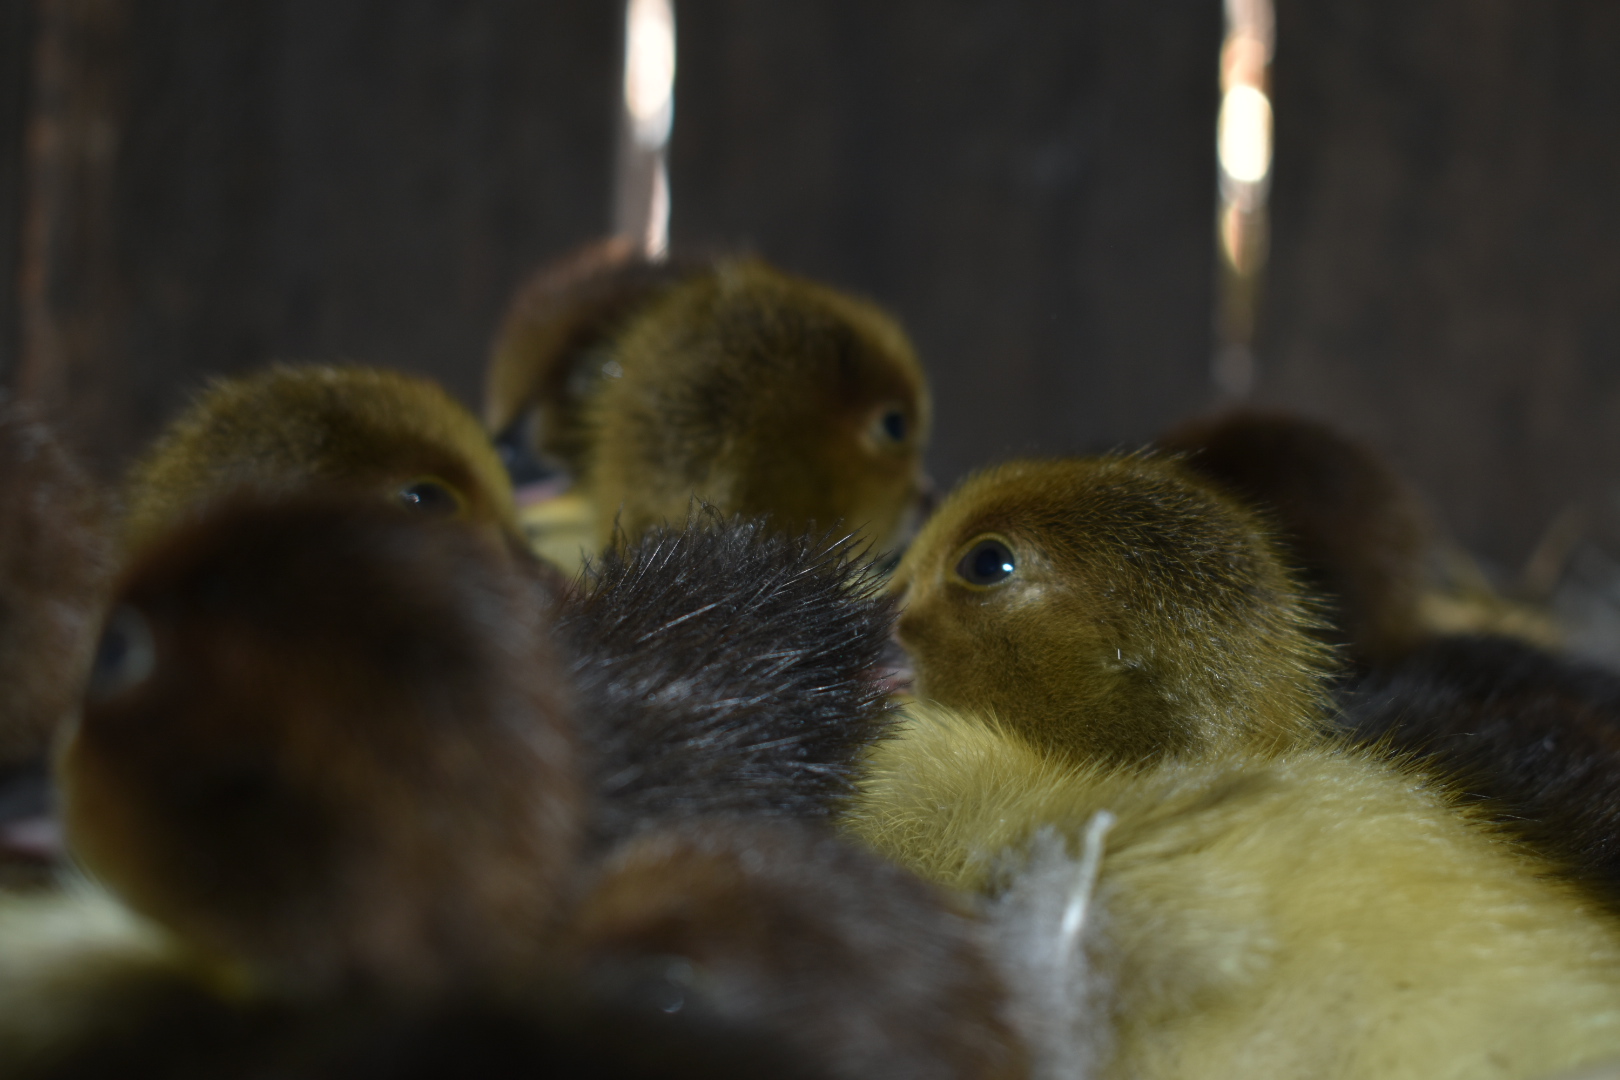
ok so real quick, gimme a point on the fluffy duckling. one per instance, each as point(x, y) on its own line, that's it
point(1357, 532)
point(726, 668)
point(1532, 735)
point(54, 561)
point(785, 929)
point(1115, 641)
point(756, 391)
point(291, 429)
point(332, 746)
point(323, 780)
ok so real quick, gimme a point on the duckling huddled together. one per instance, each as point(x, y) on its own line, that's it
point(653, 727)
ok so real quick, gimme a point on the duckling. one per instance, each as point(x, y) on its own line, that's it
point(289, 429)
point(726, 668)
point(1532, 735)
point(548, 357)
point(759, 392)
point(1117, 641)
point(292, 694)
point(54, 564)
point(331, 746)
point(783, 928)
point(1356, 530)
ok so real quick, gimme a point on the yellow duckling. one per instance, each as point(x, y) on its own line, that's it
point(291, 429)
point(1113, 642)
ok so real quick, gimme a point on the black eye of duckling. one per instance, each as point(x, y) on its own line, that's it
point(989, 562)
point(894, 425)
point(432, 497)
point(125, 656)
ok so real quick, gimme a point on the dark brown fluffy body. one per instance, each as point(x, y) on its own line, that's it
point(1148, 615)
point(1353, 528)
point(856, 963)
point(726, 668)
point(54, 561)
point(1533, 736)
point(333, 744)
point(288, 430)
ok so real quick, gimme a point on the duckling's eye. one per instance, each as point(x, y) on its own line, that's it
point(431, 497)
point(894, 425)
point(125, 656)
point(989, 562)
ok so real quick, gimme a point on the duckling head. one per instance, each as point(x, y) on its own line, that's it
point(330, 744)
point(764, 395)
point(290, 429)
point(1114, 609)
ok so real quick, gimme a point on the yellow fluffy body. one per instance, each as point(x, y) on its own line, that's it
point(1309, 913)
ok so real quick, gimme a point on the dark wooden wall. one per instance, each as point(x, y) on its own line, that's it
point(189, 187)
point(217, 185)
point(212, 186)
point(1445, 275)
point(1029, 184)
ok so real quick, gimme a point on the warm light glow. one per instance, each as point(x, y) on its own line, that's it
point(649, 70)
point(655, 244)
point(1244, 135)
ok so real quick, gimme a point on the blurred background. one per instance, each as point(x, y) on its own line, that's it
point(1429, 256)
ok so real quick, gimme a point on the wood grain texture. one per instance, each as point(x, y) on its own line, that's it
point(17, 29)
point(221, 185)
point(1030, 185)
point(1445, 278)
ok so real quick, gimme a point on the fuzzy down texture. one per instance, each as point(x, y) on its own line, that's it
point(727, 669)
point(1311, 913)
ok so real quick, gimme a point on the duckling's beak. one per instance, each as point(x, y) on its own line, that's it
point(534, 480)
point(924, 501)
point(895, 673)
point(29, 828)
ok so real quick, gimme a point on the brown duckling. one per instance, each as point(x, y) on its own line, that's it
point(1357, 532)
point(343, 783)
point(548, 356)
point(758, 392)
point(331, 745)
point(1116, 643)
point(1532, 735)
point(54, 561)
point(290, 429)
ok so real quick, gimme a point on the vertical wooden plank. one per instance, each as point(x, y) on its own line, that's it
point(307, 180)
point(1030, 184)
point(17, 27)
point(1445, 277)
point(72, 362)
